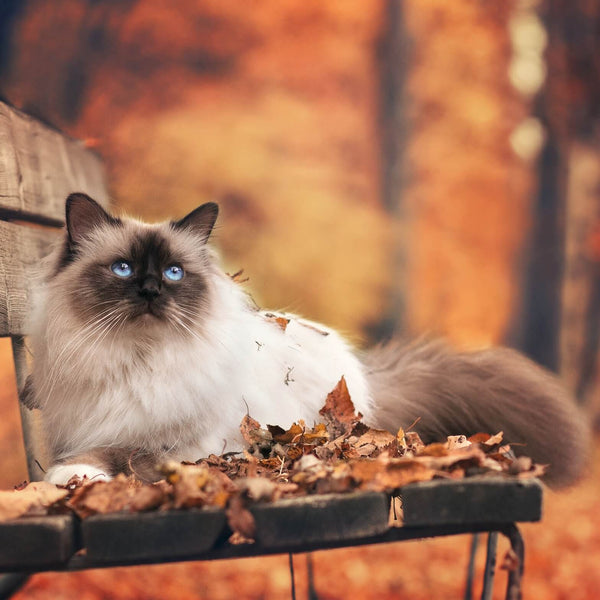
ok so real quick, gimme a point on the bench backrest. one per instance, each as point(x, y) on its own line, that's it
point(39, 168)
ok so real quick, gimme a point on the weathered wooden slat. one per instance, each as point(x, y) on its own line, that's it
point(438, 508)
point(323, 519)
point(152, 536)
point(37, 543)
point(21, 249)
point(40, 167)
point(472, 500)
point(30, 419)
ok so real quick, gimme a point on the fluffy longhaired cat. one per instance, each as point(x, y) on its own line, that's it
point(144, 350)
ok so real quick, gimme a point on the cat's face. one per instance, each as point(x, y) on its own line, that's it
point(122, 273)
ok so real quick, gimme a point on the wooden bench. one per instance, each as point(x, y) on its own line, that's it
point(39, 167)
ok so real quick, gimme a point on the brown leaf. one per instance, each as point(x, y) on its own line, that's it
point(471, 455)
point(119, 494)
point(257, 488)
point(486, 438)
point(493, 440)
point(457, 441)
point(479, 438)
point(282, 322)
point(33, 500)
point(339, 411)
point(317, 435)
point(435, 449)
point(384, 473)
point(239, 518)
point(197, 485)
point(413, 442)
point(401, 442)
point(375, 441)
point(293, 434)
point(252, 432)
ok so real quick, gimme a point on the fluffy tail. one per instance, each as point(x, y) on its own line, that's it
point(455, 393)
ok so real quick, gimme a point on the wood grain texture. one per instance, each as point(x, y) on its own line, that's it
point(37, 543)
point(320, 519)
point(21, 249)
point(40, 167)
point(151, 536)
point(471, 501)
point(31, 420)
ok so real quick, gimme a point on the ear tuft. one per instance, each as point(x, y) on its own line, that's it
point(200, 221)
point(83, 214)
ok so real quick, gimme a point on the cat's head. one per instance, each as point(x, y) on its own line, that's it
point(122, 272)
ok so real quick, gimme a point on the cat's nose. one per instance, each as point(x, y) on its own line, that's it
point(150, 289)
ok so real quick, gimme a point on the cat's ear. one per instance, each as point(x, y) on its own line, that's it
point(82, 215)
point(200, 221)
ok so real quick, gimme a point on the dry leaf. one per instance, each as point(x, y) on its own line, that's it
point(435, 449)
point(376, 441)
point(413, 442)
point(118, 494)
point(282, 322)
point(197, 485)
point(33, 500)
point(239, 518)
point(385, 474)
point(493, 440)
point(252, 432)
point(293, 434)
point(257, 488)
point(457, 441)
point(479, 438)
point(339, 411)
point(471, 455)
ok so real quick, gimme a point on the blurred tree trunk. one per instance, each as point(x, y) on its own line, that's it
point(580, 326)
point(574, 84)
point(393, 54)
point(458, 195)
point(539, 331)
point(563, 296)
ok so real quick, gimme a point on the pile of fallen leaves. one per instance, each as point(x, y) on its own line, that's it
point(339, 455)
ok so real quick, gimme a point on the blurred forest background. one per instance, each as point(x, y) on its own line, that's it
point(384, 166)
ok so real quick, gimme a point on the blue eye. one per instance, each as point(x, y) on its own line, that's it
point(121, 268)
point(174, 273)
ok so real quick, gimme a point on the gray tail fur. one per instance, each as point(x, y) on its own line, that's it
point(493, 390)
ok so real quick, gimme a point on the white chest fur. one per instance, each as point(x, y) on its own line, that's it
point(188, 396)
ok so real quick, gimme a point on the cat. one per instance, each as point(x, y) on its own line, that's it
point(144, 349)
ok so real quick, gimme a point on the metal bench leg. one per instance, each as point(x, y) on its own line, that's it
point(471, 567)
point(490, 566)
point(513, 590)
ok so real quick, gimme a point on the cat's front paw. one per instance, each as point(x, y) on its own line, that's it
point(61, 474)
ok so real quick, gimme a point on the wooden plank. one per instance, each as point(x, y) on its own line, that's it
point(472, 500)
point(152, 536)
point(40, 167)
point(21, 249)
point(37, 543)
point(437, 508)
point(323, 519)
point(31, 420)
